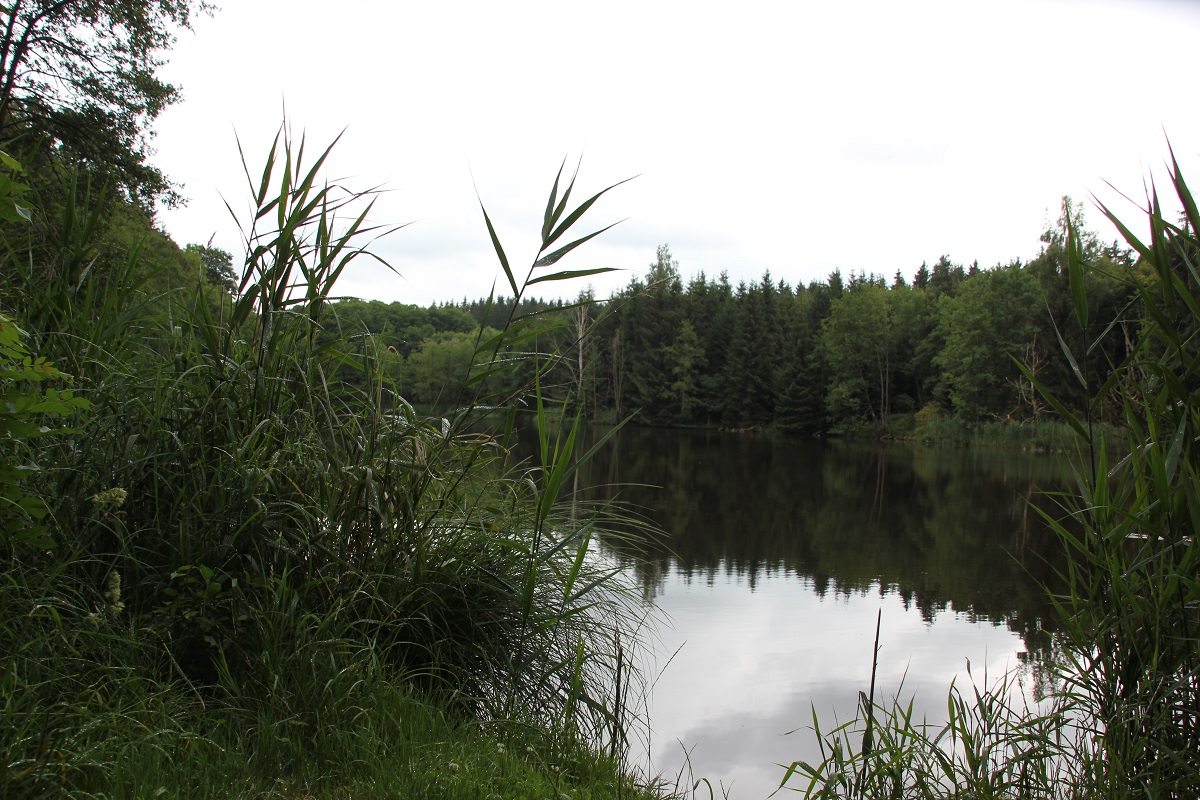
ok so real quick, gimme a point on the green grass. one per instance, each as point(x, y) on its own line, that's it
point(91, 710)
point(1043, 435)
point(932, 426)
point(260, 580)
point(993, 745)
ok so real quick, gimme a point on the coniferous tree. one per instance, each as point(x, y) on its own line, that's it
point(653, 324)
point(737, 375)
point(710, 308)
point(687, 357)
point(921, 279)
point(799, 407)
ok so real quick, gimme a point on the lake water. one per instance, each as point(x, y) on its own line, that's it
point(779, 555)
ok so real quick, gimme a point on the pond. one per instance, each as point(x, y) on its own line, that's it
point(778, 556)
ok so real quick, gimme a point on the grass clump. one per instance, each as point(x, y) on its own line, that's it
point(261, 572)
point(1043, 435)
point(994, 745)
point(1122, 719)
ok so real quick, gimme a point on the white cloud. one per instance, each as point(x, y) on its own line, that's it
point(798, 137)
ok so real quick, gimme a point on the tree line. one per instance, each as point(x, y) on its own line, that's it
point(834, 356)
point(830, 356)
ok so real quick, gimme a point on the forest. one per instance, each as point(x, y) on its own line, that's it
point(929, 358)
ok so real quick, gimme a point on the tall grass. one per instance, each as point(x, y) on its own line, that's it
point(1132, 615)
point(993, 745)
point(1123, 719)
point(251, 547)
point(1043, 435)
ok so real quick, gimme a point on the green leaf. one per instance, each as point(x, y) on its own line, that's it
point(512, 281)
point(551, 216)
point(600, 443)
point(552, 258)
point(1125, 232)
point(569, 274)
point(1184, 193)
point(576, 566)
point(600, 580)
point(574, 216)
point(37, 536)
point(1171, 463)
point(1066, 350)
point(493, 368)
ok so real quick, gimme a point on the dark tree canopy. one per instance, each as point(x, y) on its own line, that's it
point(218, 265)
point(80, 76)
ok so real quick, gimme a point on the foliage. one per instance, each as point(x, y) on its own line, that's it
point(87, 713)
point(856, 346)
point(985, 328)
point(245, 533)
point(687, 355)
point(752, 359)
point(650, 325)
point(436, 373)
point(990, 747)
point(24, 411)
point(842, 356)
point(70, 275)
point(81, 76)
point(400, 326)
point(1124, 718)
point(1133, 609)
point(11, 191)
point(217, 264)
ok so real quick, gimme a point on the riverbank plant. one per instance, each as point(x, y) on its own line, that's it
point(1123, 717)
point(260, 578)
point(934, 427)
point(1044, 435)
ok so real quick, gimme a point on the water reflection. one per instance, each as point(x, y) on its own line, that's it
point(942, 529)
point(753, 666)
point(780, 552)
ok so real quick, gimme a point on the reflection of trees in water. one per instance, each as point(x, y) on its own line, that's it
point(1041, 668)
point(942, 529)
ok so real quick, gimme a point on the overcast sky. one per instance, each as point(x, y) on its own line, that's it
point(797, 137)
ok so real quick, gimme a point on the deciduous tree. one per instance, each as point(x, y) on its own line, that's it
point(993, 320)
point(80, 76)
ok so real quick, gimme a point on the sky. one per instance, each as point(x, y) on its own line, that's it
point(796, 137)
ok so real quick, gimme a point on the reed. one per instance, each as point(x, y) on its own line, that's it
point(296, 564)
point(1123, 718)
